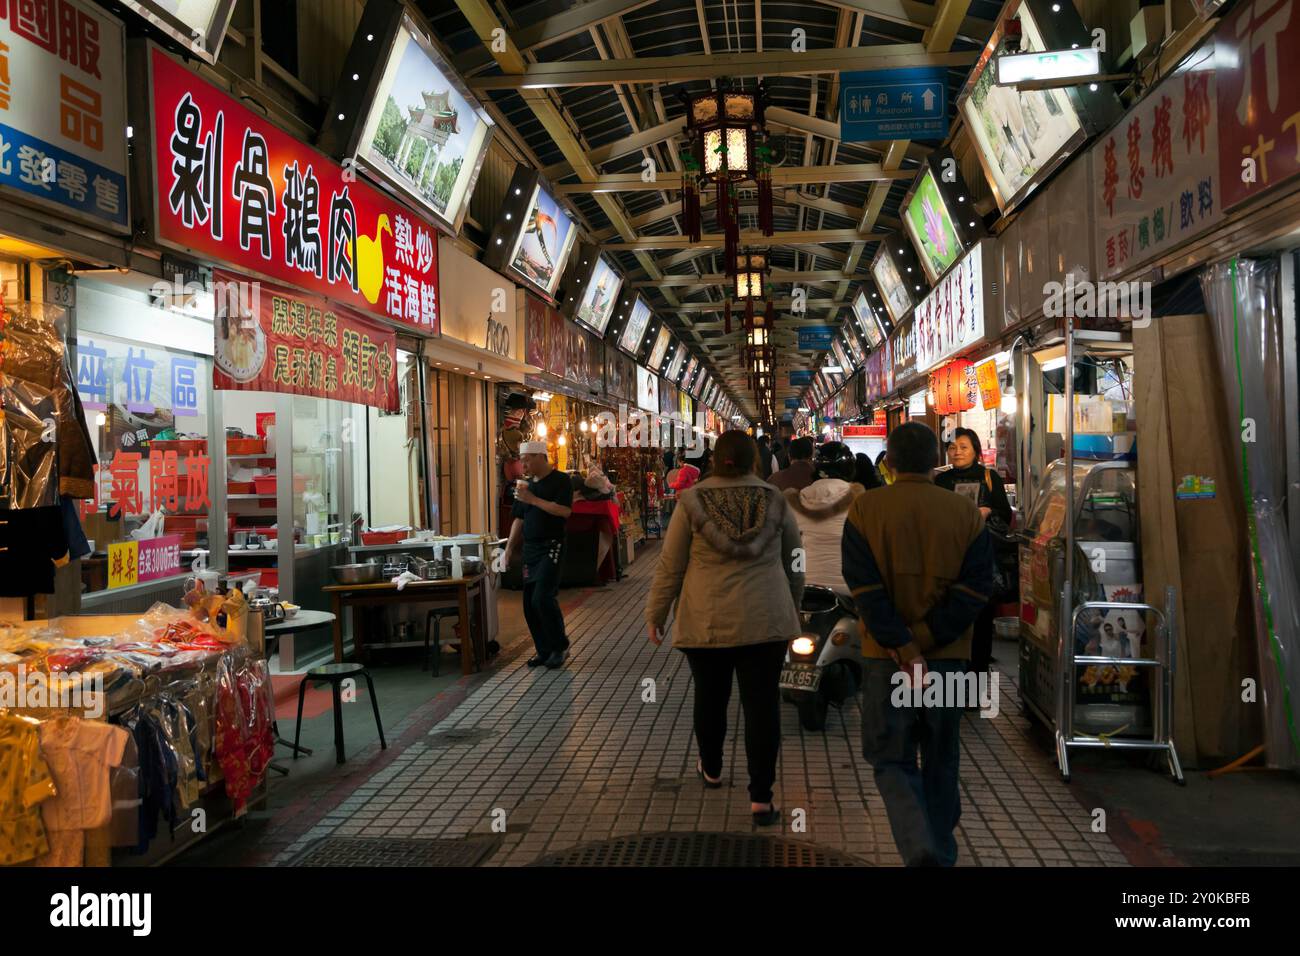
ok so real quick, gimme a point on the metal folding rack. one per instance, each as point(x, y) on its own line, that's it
point(1067, 662)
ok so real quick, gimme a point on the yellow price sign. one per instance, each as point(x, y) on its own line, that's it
point(123, 564)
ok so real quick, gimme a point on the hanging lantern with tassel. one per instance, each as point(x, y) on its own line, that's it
point(725, 127)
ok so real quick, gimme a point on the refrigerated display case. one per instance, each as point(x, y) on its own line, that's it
point(1111, 700)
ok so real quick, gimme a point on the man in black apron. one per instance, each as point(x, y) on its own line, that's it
point(542, 506)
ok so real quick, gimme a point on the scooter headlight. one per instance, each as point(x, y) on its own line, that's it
point(803, 646)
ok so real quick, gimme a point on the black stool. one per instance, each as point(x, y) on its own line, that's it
point(336, 674)
point(433, 624)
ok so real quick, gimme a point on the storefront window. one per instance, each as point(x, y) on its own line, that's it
point(390, 475)
point(147, 407)
point(320, 429)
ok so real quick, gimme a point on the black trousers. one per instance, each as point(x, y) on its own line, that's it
point(542, 561)
point(981, 646)
point(758, 671)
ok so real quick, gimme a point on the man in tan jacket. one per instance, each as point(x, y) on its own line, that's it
point(920, 566)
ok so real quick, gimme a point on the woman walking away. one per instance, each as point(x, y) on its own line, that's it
point(820, 510)
point(728, 563)
point(865, 472)
point(985, 489)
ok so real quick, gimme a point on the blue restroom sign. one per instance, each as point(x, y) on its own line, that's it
point(910, 103)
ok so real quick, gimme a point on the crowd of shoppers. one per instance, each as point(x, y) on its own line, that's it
point(914, 555)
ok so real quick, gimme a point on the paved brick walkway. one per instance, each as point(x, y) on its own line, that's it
point(577, 755)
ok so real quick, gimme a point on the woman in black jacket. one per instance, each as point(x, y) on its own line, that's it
point(985, 488)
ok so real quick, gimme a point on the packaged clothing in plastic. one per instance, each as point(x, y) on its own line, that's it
point(29, 460)
point(124, 786)
point(157, 775)
point(80, 754)
point(245, 741)
point(35, 361)
point(25, 783)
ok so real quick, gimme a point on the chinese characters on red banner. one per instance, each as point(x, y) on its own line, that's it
point(234, 187)
point(1258, 97)
point(301, 345)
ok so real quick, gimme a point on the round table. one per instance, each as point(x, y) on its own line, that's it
point(304, 620)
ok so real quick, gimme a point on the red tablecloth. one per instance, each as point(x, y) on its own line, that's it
point(599, 516)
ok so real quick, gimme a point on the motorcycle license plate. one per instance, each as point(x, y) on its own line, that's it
point(798, 675)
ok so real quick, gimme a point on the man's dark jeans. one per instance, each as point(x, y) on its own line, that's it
point(542, 561)
point(923, 802)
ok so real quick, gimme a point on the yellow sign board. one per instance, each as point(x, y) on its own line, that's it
point(123, 564)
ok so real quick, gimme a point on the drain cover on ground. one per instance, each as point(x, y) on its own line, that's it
point(699, 849)
point(460, 735)
point(380, 851)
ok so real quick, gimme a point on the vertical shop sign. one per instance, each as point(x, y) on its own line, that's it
point(535, 331)
point(990, 389)
point(902, 348)
point(557, 344)
point(1156, 173)
point(62, 108)
point(1258, 97)
point(951, 317)
point(302, 345)
point(232, 187)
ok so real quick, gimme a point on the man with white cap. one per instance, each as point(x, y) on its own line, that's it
point(543, 503)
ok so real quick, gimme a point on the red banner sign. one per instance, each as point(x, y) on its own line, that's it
point(562, 347)
point(301, 345)
point(990, 387)
point(874, 430)
point(1258, 97)
point(233, 188)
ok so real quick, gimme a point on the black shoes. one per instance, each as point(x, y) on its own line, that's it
point(556, 660)
point(537, 660)
point(769, 817)
point(710, 784)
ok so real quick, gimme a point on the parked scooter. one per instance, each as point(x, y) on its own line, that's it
point(823, 666)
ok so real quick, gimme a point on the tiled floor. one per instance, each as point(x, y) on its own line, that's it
point(603, 748)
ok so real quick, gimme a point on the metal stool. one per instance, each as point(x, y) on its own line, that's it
point(433, 620)
point(335, 675)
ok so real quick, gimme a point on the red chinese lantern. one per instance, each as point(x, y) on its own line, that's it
point(949, 384)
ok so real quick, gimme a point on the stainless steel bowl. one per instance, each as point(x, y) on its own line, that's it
point(356, 573)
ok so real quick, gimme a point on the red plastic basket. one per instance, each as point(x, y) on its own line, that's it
point(383, 537)
point(245, 446)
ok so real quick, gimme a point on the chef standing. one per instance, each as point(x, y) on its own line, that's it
point(543, 504)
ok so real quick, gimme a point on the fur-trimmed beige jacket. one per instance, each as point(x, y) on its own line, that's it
point(729, 564)
point(821, 509)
